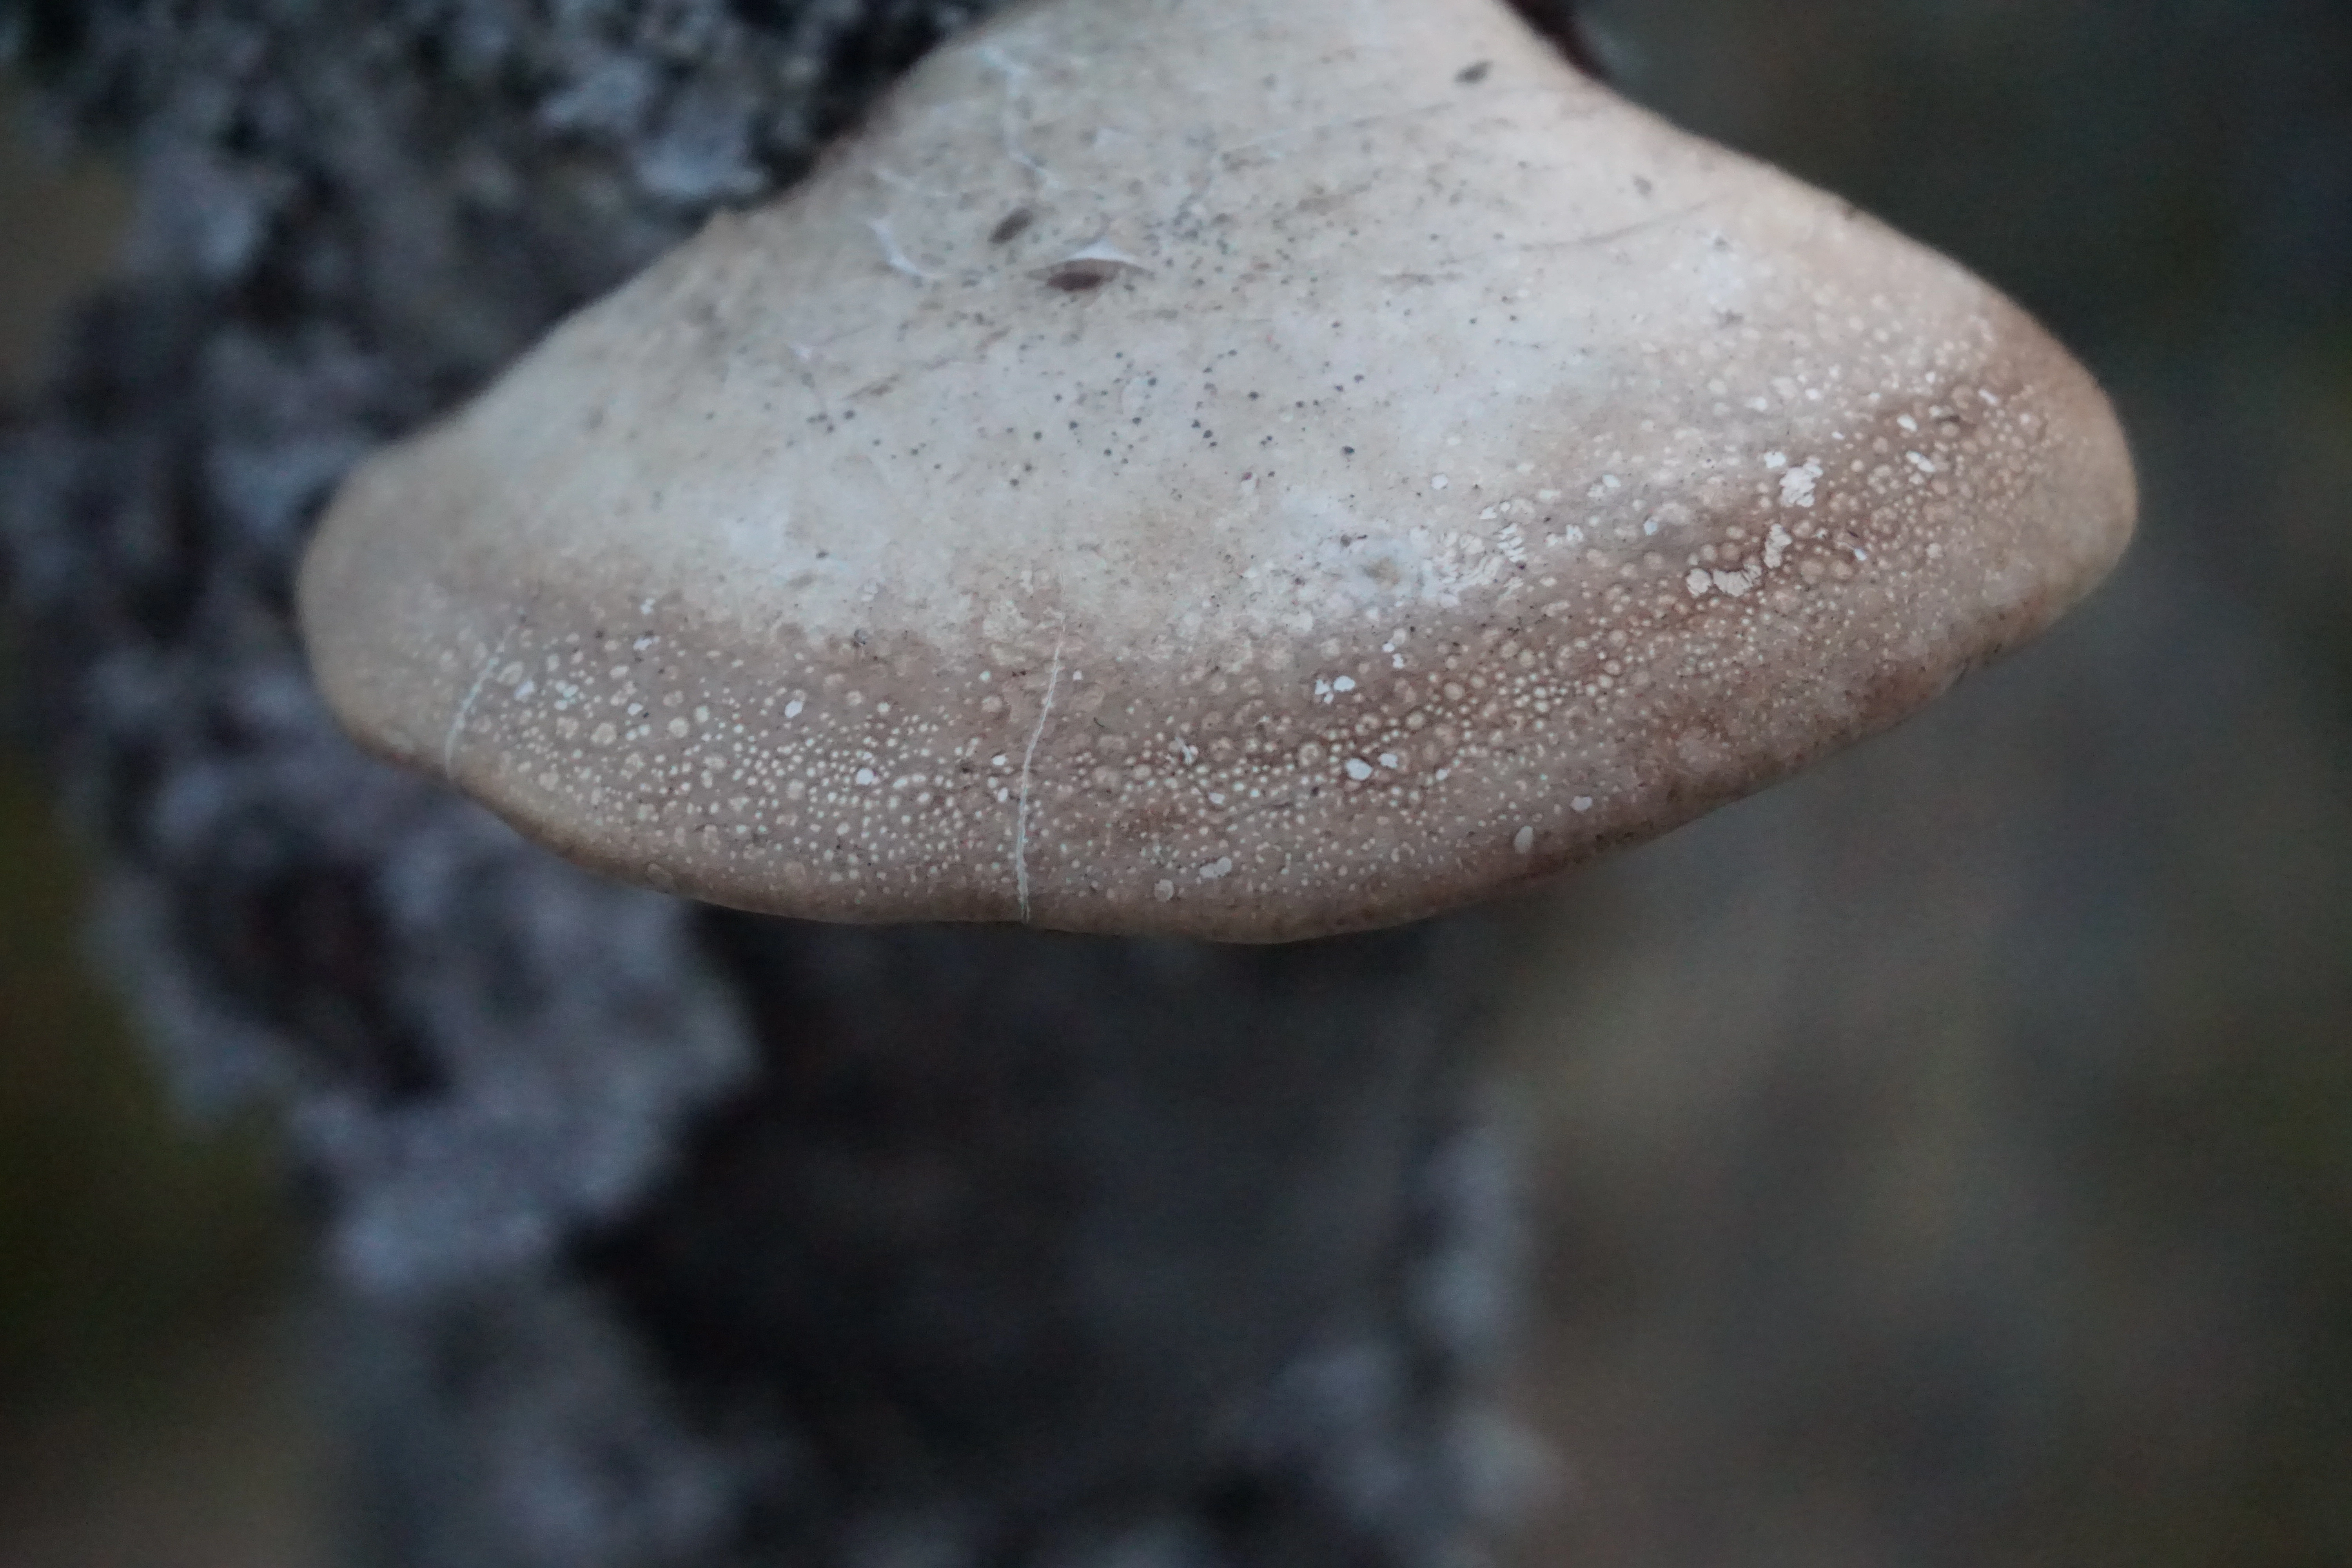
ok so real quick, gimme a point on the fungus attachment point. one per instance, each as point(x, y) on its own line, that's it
point(836, 568)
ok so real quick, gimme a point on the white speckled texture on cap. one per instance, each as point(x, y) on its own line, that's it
point(1252, 470)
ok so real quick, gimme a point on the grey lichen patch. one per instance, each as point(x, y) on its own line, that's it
point(1250, 542)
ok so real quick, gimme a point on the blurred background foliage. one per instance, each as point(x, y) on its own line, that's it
point(1944, 1159)
point(144, 1415)
point(1947, 1158)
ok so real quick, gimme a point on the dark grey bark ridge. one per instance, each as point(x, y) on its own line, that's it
point(665, 1235)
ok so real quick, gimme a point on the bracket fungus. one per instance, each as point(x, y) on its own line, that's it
point(1252, 469)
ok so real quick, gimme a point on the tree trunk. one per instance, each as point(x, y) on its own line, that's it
point(662, 1234)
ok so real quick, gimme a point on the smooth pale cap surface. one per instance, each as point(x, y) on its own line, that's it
point(1252, 470)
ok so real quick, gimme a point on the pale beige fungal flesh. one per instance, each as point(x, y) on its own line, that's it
point(1252, 469)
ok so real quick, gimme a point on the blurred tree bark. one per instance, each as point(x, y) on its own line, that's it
point(666, 1234)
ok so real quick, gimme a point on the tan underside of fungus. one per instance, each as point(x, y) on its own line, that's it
point(1250, 469)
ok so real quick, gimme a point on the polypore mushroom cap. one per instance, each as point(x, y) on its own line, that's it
point(1252, 470)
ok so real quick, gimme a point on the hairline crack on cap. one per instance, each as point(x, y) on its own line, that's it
point(1252, 470)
